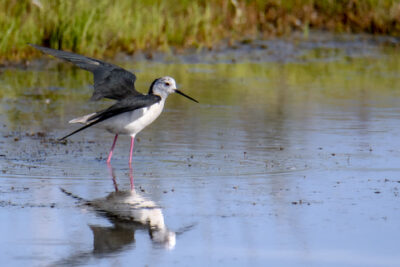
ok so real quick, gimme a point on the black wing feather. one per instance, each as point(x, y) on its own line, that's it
point(125, 105)
point(110, 81)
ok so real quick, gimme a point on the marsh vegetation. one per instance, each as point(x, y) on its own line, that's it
point(104, 28)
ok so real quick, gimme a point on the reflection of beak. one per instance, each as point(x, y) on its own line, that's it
point(179, 92)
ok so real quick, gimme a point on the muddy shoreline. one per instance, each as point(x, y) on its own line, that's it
point(293, 48)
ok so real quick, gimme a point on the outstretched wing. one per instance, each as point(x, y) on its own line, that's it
point(125, 105)
point(110, 81)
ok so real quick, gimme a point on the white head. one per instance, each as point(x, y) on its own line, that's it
point(164, 86)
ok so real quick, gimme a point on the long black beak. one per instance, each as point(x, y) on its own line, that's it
point(179, 92)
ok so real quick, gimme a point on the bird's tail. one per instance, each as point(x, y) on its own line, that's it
point(84, 119)
point(88, 120)
point(78, 130)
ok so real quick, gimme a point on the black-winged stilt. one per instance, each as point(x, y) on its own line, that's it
point(133, 111)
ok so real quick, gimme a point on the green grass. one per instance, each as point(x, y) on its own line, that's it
point(103, 28)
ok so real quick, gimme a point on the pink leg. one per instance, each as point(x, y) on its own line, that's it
point(112, 149)
point(131, 152)
point(131, 177)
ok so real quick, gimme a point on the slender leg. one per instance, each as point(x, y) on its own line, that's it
point(112, 149)
point(131, 152)
point(131, 177)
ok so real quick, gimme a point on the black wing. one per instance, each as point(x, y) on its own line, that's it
point(110, 81)
point(127, 104)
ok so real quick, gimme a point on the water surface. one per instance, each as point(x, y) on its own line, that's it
point(289, 161)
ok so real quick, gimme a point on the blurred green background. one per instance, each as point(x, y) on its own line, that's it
point(104, 28)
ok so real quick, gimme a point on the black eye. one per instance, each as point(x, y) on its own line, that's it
point(167, 84)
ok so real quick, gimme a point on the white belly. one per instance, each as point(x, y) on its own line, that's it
point(132, 122)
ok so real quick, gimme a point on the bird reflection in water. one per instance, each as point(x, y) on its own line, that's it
point(128, 211)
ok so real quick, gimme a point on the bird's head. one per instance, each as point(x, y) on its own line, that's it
point(164, 86)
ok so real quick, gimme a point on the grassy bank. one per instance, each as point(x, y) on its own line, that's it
point(103, 28)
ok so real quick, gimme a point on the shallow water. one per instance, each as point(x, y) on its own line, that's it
point(291, 162)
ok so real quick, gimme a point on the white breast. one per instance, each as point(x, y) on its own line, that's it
point(133, 122)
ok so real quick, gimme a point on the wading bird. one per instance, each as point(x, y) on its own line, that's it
point(132, 111)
